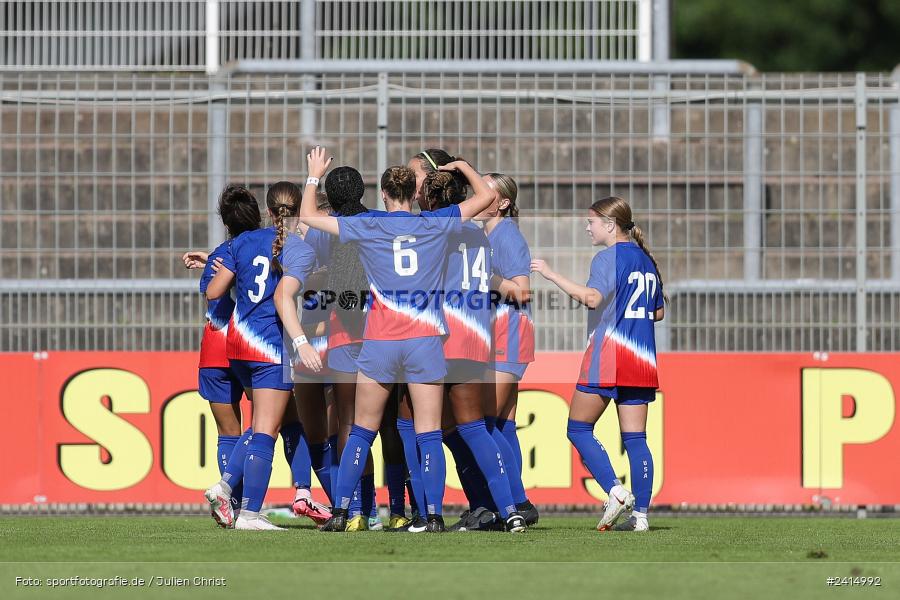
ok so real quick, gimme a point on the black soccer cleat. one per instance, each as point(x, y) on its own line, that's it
point(462, 524)
point(528, 511)
point(435, 524)
point(515, 523)
point(337, 522)
point(417, 525)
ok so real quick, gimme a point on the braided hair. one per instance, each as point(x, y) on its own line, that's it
point(283, 201)
point(617, 209)
point(346, 275)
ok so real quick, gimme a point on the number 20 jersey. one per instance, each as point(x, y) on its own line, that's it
point(255, 332)
point(622, 344)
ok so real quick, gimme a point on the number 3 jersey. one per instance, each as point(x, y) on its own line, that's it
point(404, 257)
point(467, 300)
point(255, 332)
point(622, 346)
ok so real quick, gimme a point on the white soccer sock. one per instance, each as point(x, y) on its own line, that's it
point(302, 493)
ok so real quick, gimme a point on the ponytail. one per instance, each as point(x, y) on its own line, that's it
point(283, 200)
point(637, 234)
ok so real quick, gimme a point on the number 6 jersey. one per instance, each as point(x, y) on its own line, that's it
point(255, 332)
point(622, 345)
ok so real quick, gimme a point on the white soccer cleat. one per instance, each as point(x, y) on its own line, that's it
point(620, 501)
point(256, 523)
point(220, 506)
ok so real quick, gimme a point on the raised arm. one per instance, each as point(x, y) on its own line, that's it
point(483, 195)
point(580, 293)
point(317, 162)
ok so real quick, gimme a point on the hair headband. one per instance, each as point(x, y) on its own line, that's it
point(430, 160)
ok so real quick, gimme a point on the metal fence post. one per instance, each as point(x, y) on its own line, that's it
point(212, 36)
point(861, 105)
point(216, 157)
point(308, 52)
point(660, 28)
point(894, 174)
point(753, 190)
point(382, 132)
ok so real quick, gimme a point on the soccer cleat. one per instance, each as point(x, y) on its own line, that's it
point(375, 524)
point(397, 521)
point(515, 523)
point(358, 523)
point(462, 524)
point(307, 507)
point(418, 525)
point(337, 522)
point(220, 506)
point(620, 501)
point(633, 524)
point(529, 512)
point(435, 524)
point(256, 523)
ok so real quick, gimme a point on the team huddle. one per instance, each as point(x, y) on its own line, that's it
point(341, 323)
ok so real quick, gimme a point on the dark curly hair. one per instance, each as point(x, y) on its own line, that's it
point(443, 188)
point(239, 210)
point(345, 188)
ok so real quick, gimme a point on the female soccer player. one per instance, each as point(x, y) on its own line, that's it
point(217, 383)
point(254, 345)
point(403, 256)
point(513, 330)
point(467, 349)
point(625, 295)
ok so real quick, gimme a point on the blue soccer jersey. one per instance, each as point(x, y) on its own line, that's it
point(513, 327)
point(404, 258)
point(467, 305)
point(255, 333)
point(218, 314)
point(622, 345)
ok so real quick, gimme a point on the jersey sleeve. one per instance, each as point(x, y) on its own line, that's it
point(354, 228)
point(513, 258)
point(603, 273)
point(228, 260)
point(447, 219)
point(208, 272)
point(297, 259)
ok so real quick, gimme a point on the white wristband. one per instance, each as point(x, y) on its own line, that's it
point(312, 180)
point(299, 341)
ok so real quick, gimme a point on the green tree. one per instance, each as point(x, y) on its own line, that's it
point(791, 35)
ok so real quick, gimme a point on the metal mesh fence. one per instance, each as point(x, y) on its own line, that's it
point(176, 34)
point(772, 231)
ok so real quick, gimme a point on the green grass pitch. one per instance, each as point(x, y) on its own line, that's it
point(560, 558)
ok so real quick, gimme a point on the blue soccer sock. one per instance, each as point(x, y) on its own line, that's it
point(367, 495)
point(224, 450)
point(592, 452)
point(296, 452)
point(508, 429)
point(490, 463)
point(320, 457)
point(470, 476)
point(411, 453)
point(335, 462)
point(353, 463)
point(395, 479)
point(512, 476)
point(641, 469)
point(434, 470)
point(257, 471)
point(233, 475)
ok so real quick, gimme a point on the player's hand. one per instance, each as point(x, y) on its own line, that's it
point(539, 265)
point(217, 264)
point(310, 357)
point(317, 162)
point(195, 260)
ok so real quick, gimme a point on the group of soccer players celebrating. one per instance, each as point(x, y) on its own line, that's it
point(341, 323)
